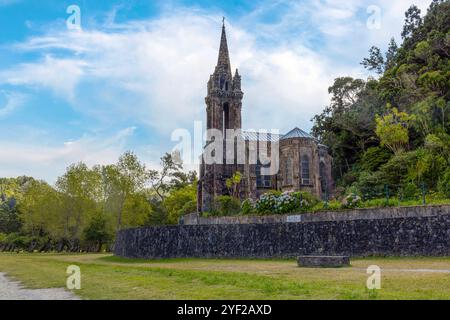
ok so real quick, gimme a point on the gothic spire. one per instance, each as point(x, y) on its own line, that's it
point(224, 58)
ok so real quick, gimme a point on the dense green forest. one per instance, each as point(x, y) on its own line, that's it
point(389, 131)
point(394, 129)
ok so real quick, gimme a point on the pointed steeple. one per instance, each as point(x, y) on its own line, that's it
point(223, 61)
point(237, 81)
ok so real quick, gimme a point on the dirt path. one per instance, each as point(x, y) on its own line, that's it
point(13, 290)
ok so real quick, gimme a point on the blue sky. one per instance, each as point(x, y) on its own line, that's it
point(137, 70)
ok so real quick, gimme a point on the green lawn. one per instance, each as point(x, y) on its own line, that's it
point(108, 277)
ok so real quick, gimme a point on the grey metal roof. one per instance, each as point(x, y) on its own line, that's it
point(297, 133)
point(265, 136)
point(260, 136)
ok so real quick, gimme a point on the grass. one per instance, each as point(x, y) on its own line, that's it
point(109, 277)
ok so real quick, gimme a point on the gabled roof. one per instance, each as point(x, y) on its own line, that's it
point(297, 133)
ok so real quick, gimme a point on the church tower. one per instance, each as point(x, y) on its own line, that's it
point(223, 111)
point(224, 98)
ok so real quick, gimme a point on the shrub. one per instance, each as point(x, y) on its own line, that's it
point(307, 200)
point(396, 169)
point(2, 238)
point(374, 157)
point(380, 203)
point(369, 185)
point(286, 202)
point(266, 203)
point(351, 201)
point(444, 184)
point(225, 206)
point(410, 191)
point(330, 205)
point(247, 207)
point(334, 205)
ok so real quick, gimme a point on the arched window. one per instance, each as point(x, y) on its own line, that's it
point(288, 172)
point(305, 170)
point(226, 118)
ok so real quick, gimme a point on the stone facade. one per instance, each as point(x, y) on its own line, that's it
point(304, 164)
point(421, 232)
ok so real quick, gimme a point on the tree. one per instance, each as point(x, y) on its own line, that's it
point(97, 232)
point(9, 217)
point(375, 61)
point(347, 125)
point(122, 180)
point(39, 209)
point(413, 21)
point(392, 129)
point(391, 54)
point(80, 190)
point(181, 201)
point(169, 176)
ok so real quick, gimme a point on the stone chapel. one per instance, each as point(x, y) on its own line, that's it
point(303, 163)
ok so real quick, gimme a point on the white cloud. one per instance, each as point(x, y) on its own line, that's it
point(59, 75)
point(13, 100)
point(47, 161)
point(156, 71)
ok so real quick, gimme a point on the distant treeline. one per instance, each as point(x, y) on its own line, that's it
point(86, 206)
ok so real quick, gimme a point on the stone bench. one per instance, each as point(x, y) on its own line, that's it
point(323, 261)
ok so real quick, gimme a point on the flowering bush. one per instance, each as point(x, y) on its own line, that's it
point(285, 202)
point(266, 203)
point(351, 201)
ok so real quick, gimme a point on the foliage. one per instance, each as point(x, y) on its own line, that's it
point(9, 218)
point(248, 207)
point(444, 184)
point(226, 205)
point(410, 191)
point(180, 202)
point(374, 157)
point(351, 201)
point(360, 122)
point(233, 184)
point(97, 232)
point(392, 129)
point(86, 206)
point(286, 202)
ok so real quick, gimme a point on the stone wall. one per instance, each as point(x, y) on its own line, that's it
point(425, 232)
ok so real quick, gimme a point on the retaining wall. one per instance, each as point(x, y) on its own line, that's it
point(391, 231)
